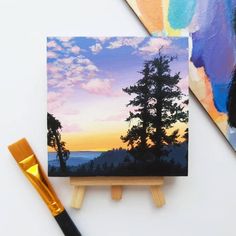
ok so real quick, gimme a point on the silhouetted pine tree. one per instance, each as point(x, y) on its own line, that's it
point(167, 106)
point(159, 106)
point(137, 136)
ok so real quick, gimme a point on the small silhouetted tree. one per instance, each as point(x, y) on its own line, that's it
point(54, 140)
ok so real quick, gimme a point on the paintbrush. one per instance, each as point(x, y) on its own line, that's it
point(32, 169)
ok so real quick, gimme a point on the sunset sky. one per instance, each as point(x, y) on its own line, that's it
point(85, 81)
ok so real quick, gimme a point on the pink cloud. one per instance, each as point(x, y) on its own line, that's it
point(96, 48)
point(52, 44)
point(67, 60)
point(98, 86)
point(52, 82)
point(83, 61)
point(101, 87)
point(52, 68)
point(64, 84)
point(75, 49)
point(92, 68)
point(51, 55)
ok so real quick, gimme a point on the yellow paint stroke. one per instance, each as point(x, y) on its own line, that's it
point(202, 89)
point(169, 30)
point(150, 12)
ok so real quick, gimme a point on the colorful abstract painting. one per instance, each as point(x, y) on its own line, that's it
point(117, 106)
point(210, 25)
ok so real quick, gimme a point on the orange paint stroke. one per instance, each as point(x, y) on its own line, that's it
point(151, 14)
point(202, 89)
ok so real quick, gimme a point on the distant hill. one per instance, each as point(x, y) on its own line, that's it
point(119, 162)
point(119, 157)
point(113, 158)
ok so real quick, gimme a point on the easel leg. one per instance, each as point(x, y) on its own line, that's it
point(116, 192)
point(77, 197)
point(158, 196)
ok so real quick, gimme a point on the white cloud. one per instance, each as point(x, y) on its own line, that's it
point(154, 45)
point(91, 68)
point(102, 39)
point(67, 60)
point(121, 42)
point(83, 61)
point(65, 39)
point(96, 48)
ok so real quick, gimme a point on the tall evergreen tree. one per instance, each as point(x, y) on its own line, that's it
point(159, 105)
point(137, 136)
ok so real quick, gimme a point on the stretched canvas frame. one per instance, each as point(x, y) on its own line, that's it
point(117, 106)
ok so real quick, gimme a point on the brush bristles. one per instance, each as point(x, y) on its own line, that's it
point(20, 150)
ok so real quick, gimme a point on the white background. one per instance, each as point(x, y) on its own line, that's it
point(202, 204)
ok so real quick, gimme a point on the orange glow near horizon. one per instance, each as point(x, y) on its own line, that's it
point(103, 142)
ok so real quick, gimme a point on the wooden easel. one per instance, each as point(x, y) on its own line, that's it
point(116, 183)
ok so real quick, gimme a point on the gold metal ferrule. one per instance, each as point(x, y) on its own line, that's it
point(33, 171)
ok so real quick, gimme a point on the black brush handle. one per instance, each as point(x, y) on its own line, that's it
point(67, 225)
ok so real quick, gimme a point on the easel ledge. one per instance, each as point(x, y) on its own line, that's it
point(116, 183)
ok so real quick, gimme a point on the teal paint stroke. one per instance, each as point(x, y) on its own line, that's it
point(181, 13)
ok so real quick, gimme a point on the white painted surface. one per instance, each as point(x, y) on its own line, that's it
point(202, 204)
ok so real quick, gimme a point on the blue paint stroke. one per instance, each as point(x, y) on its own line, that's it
point(214, 47)
point(181, 13)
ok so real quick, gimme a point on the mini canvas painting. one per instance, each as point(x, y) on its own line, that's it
point(211, 27)
point(117, 106)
